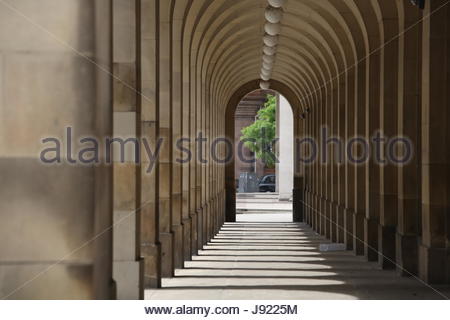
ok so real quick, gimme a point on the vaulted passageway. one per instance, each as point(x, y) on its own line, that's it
point(164, 76)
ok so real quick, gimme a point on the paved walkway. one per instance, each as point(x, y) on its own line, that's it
point(281, 260)
point(261, 203)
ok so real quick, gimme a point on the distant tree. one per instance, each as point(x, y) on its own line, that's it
point(259, 137)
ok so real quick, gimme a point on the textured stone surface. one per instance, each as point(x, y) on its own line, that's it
point(127, 275)
point(281, 260)
point(47, 280)
point(55, 232)
point(189, 77)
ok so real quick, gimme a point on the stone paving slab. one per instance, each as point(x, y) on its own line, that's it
point(270, 260)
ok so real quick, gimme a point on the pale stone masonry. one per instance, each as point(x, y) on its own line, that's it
point(164, 69)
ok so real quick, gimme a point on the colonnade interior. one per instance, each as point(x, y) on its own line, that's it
point(165, 70)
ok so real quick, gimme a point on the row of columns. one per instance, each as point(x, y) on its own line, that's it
point(397, 215)
point(155, 70)
point(179, 203)
point(107, 69)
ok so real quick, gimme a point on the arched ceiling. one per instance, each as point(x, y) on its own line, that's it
point(220, 43)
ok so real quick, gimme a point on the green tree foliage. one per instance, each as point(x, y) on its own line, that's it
point(259, 137)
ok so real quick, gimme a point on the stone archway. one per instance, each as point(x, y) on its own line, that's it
point(230, 131)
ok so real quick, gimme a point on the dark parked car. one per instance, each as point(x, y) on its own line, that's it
point(267, 183)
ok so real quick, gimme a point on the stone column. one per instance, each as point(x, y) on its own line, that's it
point(201, 115)
point(196, 83)
point(205, 200)
point(285, 167)
point(211, 190)
point(164, 113)
point(308, 167)
point(312, 167)
point(327, 164)
point(321, 207)
point(372, 169)
point(388, 128)
point(55, 211)
point(230, 185)
point(301, 153)
point(180, 215)
point(317, 201)
point(127, 265)
point(196, 226)
point(298, 187)
point(317, 189)
point(147, 130)
point(350, 177)
point(433, 250)
point(359, 167)
point(409, 99)
point(103, 284)
point(341, 174)
point(188, 222)
point(333, 176)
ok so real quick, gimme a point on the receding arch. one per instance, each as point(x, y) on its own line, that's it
point(233, 102)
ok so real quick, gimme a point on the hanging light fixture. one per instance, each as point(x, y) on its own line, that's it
point(270, 41)
point(270, 51)
point(277, 3)
point(272, 29)
point(274, 15)
point(265, 85)
point(268, 59)
point(266, 73)
point(264, 77)
point(267, 66)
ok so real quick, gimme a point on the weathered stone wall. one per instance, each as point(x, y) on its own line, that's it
point(51, 214)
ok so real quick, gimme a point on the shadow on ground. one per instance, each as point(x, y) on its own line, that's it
point(281, 260)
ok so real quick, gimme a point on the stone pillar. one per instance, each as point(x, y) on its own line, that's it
point(321, 206)
point(341, 173)
point(387, 170)
point(313, 167)
point(148, 178)
point(202, 208)
point(350, 177)
point(127, 265)
point(301, 153)
point(230, 185)
point(318, 193)
point(298, 192)
point(361, 184)
point(196, 226)
point(204, 201)
point(333, 176)
point(285, 167)
point(211, 189)
point(309, 167)
point(197, 163)
point(164, 113)
point(327, 163)
point(317, 189)
point(188, 221)
point(326, 178)
point(180, 215)
point(409, 99)
point(56, 215)
point(433, 250)
point(372, 169)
